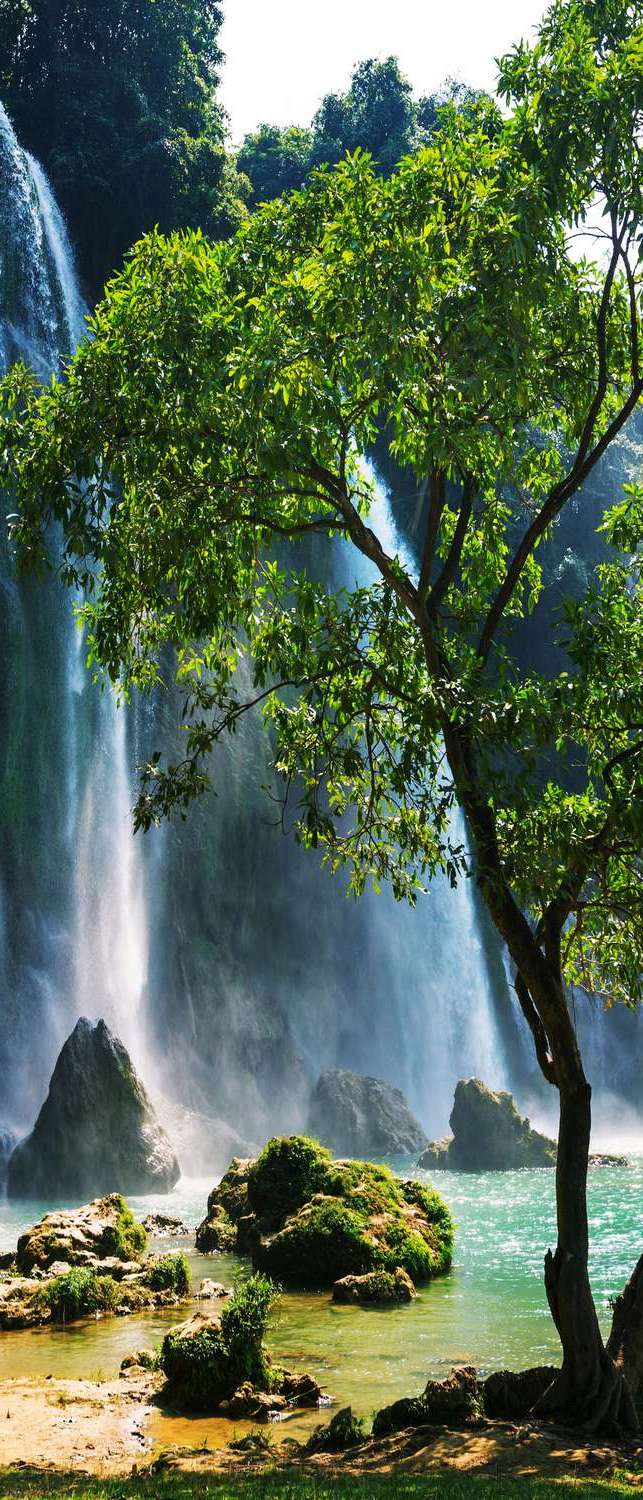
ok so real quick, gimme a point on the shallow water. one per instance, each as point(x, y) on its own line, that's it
point(489, 1311)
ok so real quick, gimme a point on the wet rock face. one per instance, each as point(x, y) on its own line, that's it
point(488, 1135)
point(362, 1117)
point(8, 1143)
point(97, 1131)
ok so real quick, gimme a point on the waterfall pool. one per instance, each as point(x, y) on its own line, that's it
point(489, 1311)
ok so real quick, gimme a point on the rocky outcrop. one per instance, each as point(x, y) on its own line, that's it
point(379, 1288)
point(309, 1220)
point(363, 1117)
point(88, 1261)
point(104, 1230)
point(97, 1131)
point(488, 1135)
point(454, 1402)
point(166, 1227)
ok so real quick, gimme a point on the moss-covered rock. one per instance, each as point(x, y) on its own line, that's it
point(379, 1288)
point(216, 1351)
point(227, 1205)
point(310, 1220)
point(98, 1231)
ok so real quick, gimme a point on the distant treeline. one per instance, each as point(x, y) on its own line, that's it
point(119, 101)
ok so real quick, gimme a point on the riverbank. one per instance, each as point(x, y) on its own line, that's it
point(100, 1439)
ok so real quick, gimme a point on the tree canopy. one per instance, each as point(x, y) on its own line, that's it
point(219, 415)
point(377, 114)
point(118, 101)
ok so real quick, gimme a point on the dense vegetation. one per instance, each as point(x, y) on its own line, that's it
point(376, 114)
point(118, 101)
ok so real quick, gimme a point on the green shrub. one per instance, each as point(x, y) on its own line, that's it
point(78, 1293)
point(126, 1238)
point(206, 1368)
point(170, 1273)
point(288, 1171)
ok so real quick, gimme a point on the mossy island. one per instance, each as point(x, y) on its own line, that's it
point(309, 1220)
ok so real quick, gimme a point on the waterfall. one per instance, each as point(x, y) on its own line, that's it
point(231, 964)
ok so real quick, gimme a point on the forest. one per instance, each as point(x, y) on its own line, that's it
point(321, 764)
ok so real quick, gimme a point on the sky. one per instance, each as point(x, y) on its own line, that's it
point(282, 56)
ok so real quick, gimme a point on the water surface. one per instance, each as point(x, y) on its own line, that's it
point(490, 1311)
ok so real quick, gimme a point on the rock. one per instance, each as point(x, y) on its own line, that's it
point(96, 1131)
point(227, 1206)
point(142, 1359)
point(342, 1432)
point(203, 1143)
point(378, 1287)
point(209, 1291)
point(509, 1395)
point(363, 1117)
point(249, 1404)
point(455, 1402)
point(165, 1227)
point(604, 1159)
point(310, 1220)
point(488, 1135)
point(301, 1390)
point(103, 1235)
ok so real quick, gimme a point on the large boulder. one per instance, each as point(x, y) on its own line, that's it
point(359, 1116)
point(88, 1236)
point(488, 1135)
point(309, 1220)
point(97, 1131)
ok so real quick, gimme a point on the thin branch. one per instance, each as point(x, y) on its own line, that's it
point(451, 564)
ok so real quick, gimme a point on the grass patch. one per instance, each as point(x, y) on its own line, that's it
point(170, 1273)
point(79, 1293)
point(291, 1486)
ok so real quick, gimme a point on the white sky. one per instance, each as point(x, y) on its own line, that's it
point(282, 56)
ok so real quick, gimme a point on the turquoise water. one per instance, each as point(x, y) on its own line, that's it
point(490, 1310)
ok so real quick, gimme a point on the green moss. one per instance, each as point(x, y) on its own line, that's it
point(207, 1368)
point(170, 1273)
point(319, 1219)
point(323, 1242)
point(78, 1293)
point(126, 1238)
point(289, 1171)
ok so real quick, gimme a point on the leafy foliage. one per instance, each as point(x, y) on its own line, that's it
point(127, 1238)
point(377, 114)
point(170, 1273)
point(119, 103)
point(219, 414)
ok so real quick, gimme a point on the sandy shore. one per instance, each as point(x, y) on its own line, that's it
point(113, 1427)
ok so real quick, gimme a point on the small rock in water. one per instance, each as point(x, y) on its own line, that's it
point(164, 1226)
point(376, 1287)
point(210, 1290)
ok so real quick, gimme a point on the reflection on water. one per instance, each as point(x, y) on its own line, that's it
point(490, 1311)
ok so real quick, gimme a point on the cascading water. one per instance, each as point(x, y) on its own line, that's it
point(231, 965)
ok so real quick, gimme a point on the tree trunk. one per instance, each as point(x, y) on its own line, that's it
point(625, 1343)
point(591, 1390)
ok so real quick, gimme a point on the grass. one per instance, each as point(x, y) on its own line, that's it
point(26, 1485)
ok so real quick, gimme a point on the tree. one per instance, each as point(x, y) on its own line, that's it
point(377, 114)
point(118, 101)
point(275, 161)
point(218, 416)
